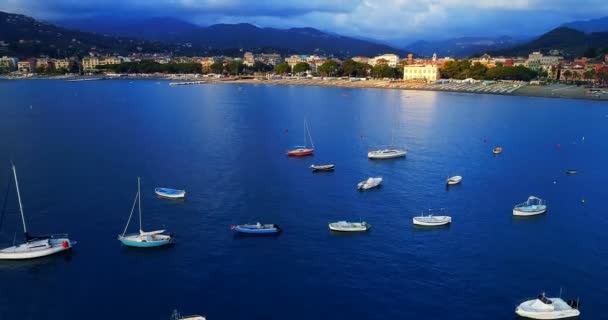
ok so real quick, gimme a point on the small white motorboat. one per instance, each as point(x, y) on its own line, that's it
point(453, 180)
point(369, 183)
point(386, 154)
point(345, 226)
point(170, 193)
point(531, 207)
point(548, 308)
point(432, 220)
point(177, 316)
point(323, 168)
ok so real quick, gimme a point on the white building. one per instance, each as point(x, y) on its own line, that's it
point(391, 60)
point(425, 72)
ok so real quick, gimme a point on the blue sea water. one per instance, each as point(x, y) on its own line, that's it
point(79, 147)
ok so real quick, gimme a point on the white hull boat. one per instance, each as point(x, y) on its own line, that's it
point(369, 183)
point(454, 180)
point(386, 154)
point(548, 308)
point(532, 207)
point(170, 193)
point(345, 226)
point(177, 316)
point(431, 220)
point(34, 247)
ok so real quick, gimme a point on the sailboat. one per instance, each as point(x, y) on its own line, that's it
point(34, 246)
point(305, 150)
point(389, 152)
point(143, 239)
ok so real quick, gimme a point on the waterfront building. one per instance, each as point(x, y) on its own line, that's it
point(270, 58)
point(295, 59)
point(8, 64)
point(27, 66)
point(360, 59)
point(428, 72)
point(62, 64)
point(248, 59)
point(90, 63)
point(206, 63)
point(537, 61)
point(390, 59)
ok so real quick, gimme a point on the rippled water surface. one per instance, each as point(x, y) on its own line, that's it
point(79, 147)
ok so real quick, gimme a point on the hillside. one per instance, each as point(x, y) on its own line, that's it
point(25, 37)
point(572, 42)
point(461, 47)
point(235, 36)
point(588, 26)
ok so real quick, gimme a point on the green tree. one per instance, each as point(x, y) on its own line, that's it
point(351, 68)
point(259, 66)
point(477, 71)
point(590, 74)
point(328, 68)
point(567, 74)
point(217, 67)
point(281, 68)
point(235, 67)
point(383, 71)
point(301, 67)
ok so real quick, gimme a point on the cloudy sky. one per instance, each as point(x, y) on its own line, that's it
point(388, 20)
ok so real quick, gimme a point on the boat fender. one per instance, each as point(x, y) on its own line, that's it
point(65, 244)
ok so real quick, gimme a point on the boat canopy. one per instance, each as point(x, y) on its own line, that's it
point(151, 233)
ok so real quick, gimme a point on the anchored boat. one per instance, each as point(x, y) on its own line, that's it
point(389, 152)
point(453, 180)
point(177, 316)
point(548, 308)
point(571, 171)
point(345, 226)
point(170, 193)
point(305, 150)
point(497, 150)
point(143, 239)
point(432, 221)
point(34, 246)
point(257, 228)
point(369, 183)
point(323, 168)
point(531, 207)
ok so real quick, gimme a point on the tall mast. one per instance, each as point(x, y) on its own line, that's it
point(139, 203)
point(19, 198)
point(305, 133)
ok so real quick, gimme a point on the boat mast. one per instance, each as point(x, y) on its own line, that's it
point(139, 203)
point(19, 198)
point(307, 130)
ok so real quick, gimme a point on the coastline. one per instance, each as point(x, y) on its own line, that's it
point(495, 88)
point(499, 88)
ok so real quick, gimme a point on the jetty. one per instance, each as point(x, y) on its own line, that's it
point(187, 83)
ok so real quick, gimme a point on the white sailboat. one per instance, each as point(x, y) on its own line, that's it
point(34, 246)
point(388, 152)
point(143, 239)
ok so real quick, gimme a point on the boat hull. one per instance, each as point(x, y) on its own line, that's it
point(433, 223)
point(382, 156)
point(256, 231)
point(138, 241)
point(323, 168)
point(564, 314)
point(170, 193)
point(521, 213)
point(36, 249)
point(351, 229)
point(300, 152)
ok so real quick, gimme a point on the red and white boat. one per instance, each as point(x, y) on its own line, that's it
point(305, 150)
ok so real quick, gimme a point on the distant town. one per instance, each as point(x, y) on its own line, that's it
point(537, 66)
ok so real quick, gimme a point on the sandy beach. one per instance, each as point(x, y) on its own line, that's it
point(499, 88)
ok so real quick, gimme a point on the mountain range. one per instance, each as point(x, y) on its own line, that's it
point(462, 47)
point(589, 26)
point(571, 42)
point(23, 37)
point(227, 36)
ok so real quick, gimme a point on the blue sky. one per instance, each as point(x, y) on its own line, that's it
point(393, 21)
